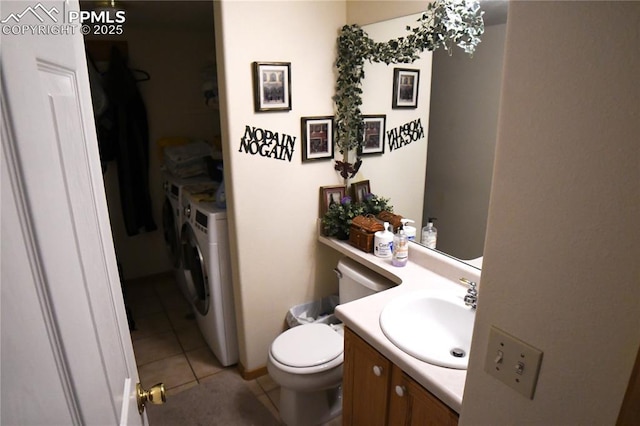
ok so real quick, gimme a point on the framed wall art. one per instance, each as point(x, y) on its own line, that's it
point(360, 190)
point(405, 88)
point(317, 138)
point(374, 128)
point(272, 86)
point(331, 195)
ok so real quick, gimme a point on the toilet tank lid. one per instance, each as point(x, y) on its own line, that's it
point(307, 345)
point(363, 275)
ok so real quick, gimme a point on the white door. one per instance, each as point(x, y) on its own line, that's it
point(67, 356)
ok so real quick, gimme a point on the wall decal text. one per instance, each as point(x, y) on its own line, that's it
point(267, 143)
point(405, 134)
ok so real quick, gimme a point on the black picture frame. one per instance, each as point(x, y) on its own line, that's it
point(317, 138)
point(374, 132)
point(272, 86)
point(405, 88)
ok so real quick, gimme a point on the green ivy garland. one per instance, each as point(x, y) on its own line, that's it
point(445, 23)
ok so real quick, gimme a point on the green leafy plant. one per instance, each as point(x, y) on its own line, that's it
point(336, 222)
point(374, 204)
point(445, 23)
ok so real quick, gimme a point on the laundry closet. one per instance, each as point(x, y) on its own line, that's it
point(170, 73)
point(170, 49)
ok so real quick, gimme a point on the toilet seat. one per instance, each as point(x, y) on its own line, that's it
point(307, 346)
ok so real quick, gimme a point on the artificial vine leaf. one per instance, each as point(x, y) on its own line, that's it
point(445, 23)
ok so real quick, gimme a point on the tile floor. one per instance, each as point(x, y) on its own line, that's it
point(169, 347)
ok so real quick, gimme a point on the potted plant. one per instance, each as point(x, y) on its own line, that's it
point(336, 222)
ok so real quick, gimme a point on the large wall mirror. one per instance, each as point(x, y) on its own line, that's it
point(465, 97)
point(462, 130)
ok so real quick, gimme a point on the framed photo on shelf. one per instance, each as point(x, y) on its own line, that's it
point(330, 195)
point(374, 128)
point(405, 88)
point(359, 190)
point(272, 86)
point(317, 138)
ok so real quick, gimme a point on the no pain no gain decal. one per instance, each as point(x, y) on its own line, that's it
point(267, 143)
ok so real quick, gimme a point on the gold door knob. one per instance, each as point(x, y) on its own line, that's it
point(155, 395)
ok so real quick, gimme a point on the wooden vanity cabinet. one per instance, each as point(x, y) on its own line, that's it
point(365, 383)
point(411, 404)
point(377, 392)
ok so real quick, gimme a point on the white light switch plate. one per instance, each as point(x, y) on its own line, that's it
point(513, 362)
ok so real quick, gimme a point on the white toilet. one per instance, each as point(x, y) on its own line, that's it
point(306, 361)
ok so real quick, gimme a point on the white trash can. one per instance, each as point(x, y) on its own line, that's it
point(318, 312)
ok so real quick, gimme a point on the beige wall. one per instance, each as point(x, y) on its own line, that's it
point(363, 12)
point(561, 266)
point(274, 203)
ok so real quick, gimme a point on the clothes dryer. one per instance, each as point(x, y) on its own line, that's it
point(207, 274)
point(172, 218)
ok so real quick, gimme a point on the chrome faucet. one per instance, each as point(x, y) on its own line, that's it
point(471, 299)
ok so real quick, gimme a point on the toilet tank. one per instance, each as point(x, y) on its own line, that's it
point(357, 281)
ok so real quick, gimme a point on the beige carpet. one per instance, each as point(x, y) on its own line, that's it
point(223, 400)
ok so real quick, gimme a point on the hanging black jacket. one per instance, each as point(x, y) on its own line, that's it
point(126, 138)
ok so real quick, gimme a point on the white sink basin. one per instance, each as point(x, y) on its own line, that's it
point(433, 327)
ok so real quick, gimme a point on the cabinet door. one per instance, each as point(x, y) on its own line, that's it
point(366, 379)
point(411, 404)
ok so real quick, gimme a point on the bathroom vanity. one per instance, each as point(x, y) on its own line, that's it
point(382, 384)
point(378, 392)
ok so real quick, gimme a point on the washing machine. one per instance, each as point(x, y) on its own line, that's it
point(207, 273)
point(172, 217)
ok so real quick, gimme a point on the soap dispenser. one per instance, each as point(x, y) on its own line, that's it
point(429, 234)
point(400, 254)
point(409, 231)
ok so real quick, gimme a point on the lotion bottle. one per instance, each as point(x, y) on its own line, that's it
point(382, 242)
point(429, 234)
point(400, 254)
